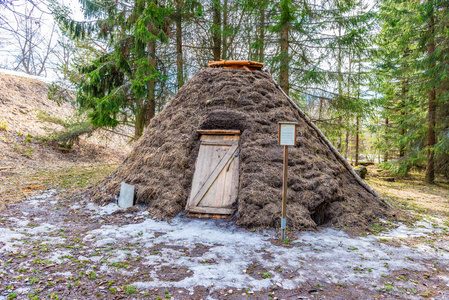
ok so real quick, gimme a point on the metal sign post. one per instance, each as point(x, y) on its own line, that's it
point(286, 137)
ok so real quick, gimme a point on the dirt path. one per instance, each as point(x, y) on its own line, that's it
point(53, 246)
point(413, 193)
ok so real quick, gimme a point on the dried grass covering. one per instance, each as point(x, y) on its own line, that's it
point(321, 191)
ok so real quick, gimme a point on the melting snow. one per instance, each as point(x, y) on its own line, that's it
point(22, 74)
point(7, 237)
point(103, 210)
point(218, 255)
point(234, 250)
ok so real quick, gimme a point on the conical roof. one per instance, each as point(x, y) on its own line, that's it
point(322, 189)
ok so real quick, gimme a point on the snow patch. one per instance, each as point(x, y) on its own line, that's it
point(102, 210)
point(75, 206)
point(63, 274)
point(420, 229)
point(7, 237)
point(39, 199)
point(22, 74)
point(232, 250)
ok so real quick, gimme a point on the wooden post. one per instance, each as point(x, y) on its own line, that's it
point(287, 132)
point(284, 194)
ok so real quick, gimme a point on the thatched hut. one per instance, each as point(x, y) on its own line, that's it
point(213, 150)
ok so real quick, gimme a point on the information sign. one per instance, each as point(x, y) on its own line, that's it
point(287, 133)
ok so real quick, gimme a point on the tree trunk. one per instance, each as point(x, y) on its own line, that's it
point(225, 30)
point(346, 144)
point(262, 34)
point(339, 143)
point(431, 139)
point(340, 88)
point(357, 120)
point(216, 29)
point(140, 121)
point(179, 61)
point(340, 75)
point(386, 140)
point(150, 105)
point(250, 47)
point(320, 109)
point(404, 93)
point(284, 67)
point(349, 119)
point(357, 129)
point(147, 107)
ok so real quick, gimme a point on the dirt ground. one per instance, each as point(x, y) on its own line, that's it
point(29, 161)
point(430, 198)
point(57, 244)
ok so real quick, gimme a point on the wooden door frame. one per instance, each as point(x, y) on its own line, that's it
point(227, 158)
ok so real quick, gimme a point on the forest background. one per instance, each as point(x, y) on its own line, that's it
point(372, 76)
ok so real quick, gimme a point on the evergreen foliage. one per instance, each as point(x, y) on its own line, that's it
point(412, 77)
point(72, 129)
point(349, 65)
point(120, 84)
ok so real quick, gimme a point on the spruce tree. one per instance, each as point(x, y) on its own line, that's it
point(412, 60)
point(121, 83)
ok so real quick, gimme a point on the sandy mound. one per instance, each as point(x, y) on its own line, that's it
point(161, 166)
point(21, 101)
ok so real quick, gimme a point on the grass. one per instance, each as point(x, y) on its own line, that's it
point(75, 177)
point(3, 126)
point(72, 178)
point(24, 150)
point(266, 275)
point(33, 280)
point(130, 289)
point(388, 287)
point(412, 194)
point(12, 295)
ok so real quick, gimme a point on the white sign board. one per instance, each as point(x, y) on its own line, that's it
point(287, 134)
point(126, 197)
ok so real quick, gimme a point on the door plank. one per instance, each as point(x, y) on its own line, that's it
point(235, 179)
point(227, 199)
point(212, 210)
point(220, 143)
point(201, 170)
point(208, 158)
point(197, 198)
point(220, 190)
point(219, 131)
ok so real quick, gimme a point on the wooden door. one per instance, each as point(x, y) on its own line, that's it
point(215, 181)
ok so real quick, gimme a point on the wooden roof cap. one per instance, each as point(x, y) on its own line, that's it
point(236, 64)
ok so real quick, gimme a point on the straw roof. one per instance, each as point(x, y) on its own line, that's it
point(322, 190)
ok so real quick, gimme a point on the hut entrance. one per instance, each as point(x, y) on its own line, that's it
point(215, 181)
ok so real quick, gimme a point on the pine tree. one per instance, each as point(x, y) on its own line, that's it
point(413, 55)
point(124, 79)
